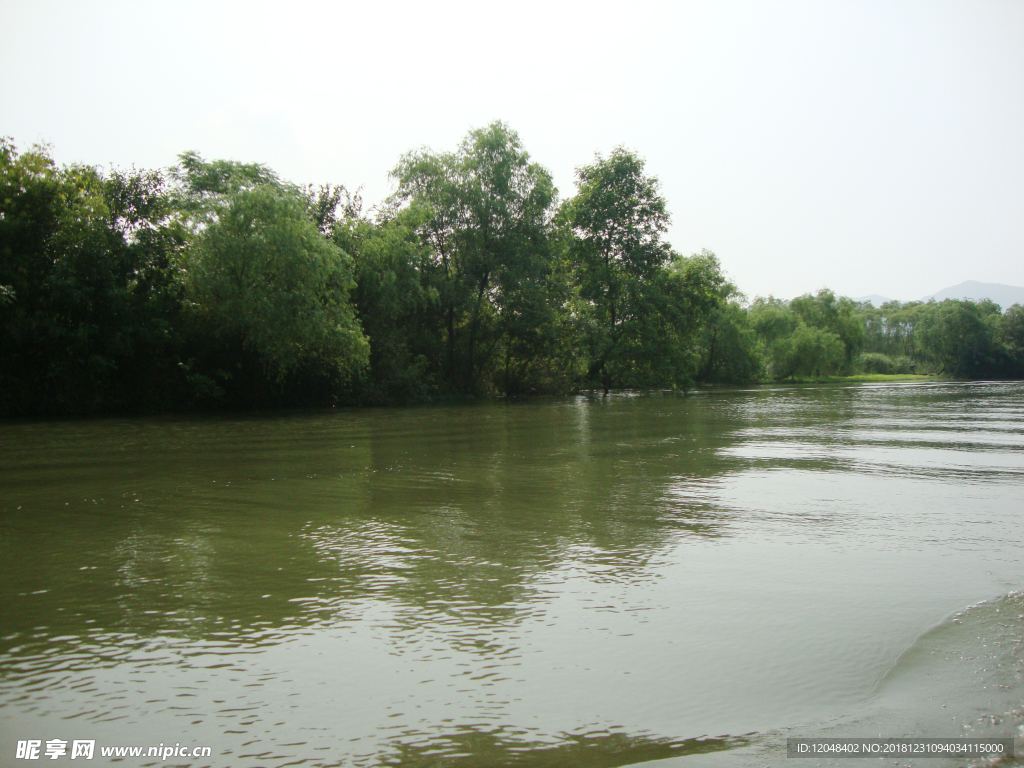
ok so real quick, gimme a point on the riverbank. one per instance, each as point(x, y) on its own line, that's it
point(918, 378)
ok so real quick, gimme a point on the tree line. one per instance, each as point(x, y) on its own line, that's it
point(218, 284)
point(823, 335)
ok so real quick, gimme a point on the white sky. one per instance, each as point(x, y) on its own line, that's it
point(871, 147)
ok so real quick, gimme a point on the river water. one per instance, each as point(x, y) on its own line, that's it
point(587, 581)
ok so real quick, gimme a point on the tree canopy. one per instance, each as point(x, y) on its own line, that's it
point(640, 302)
point(487, 215)
point(215, 283)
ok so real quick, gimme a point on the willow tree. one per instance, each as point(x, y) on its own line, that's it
point(267, 293)
point(487, 219)
point(835, 314)
point(640, 303)
point(962, 336)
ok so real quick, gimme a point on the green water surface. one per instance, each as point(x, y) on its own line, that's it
point(594, 581)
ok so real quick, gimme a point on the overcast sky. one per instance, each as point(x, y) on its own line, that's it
point(871, 147)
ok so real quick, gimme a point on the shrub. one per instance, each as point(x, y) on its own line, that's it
point(876, 362)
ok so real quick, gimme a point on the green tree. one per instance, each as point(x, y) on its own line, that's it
point(807, 352)
point(270, 295)
point(489, 211)
point(772, 320)
point(773, 323)
point(837, 315)
point(730, 353)
point(203, 186)
point(396, 304)
point(793, 347)
point(90, 297)
point(1011, 335)
point(892, 330)
point(961, 336)
point(640, 303)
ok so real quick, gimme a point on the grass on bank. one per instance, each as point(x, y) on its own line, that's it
point(871, 377)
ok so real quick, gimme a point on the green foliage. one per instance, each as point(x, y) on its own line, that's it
point(797, 338)
point(640, 305)
point(961, 336)
point(837, 316)
point(218, 283)
point(892, 330)
point(88, 309)
point(807, 352)
point(730, 353)
point(1011, 336)
point(202, 181)
point(397, 307)
point(322, 205)
point(271, 292)
point(772, 320)
point(876, 362)
point(486, 224)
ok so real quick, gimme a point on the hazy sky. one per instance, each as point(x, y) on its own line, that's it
point(871, 147)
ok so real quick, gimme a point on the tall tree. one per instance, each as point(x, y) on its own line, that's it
point(962, 336)
point(267, 292)
point(640, 301)
point(396, 303)
point(1011, 335)
point(729, 350)
point(489, 211)
point(89, 295)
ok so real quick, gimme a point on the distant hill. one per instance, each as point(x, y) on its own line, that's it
point(1003, 295)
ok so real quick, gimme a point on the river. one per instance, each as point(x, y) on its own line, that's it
point(592, 581)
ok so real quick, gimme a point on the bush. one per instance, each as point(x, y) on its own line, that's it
point(876, 362)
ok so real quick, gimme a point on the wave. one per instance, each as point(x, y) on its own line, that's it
point(963, 677)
